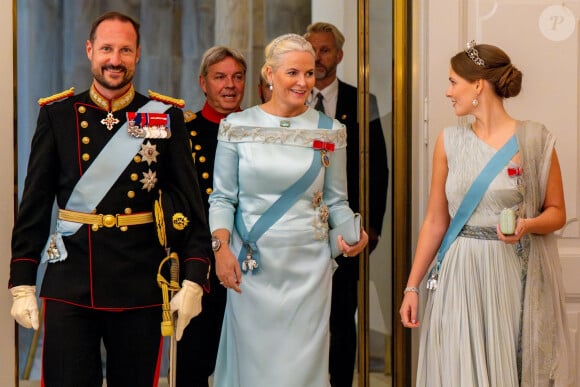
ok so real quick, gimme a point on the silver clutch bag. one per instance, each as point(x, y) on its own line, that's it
point(350, 231)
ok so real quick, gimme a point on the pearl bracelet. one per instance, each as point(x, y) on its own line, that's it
point(411, 289)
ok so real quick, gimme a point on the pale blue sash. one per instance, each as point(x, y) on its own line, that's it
point(249, 257)
point(470, 202)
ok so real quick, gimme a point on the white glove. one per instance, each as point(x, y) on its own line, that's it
point(187, 304)
point(24, 306)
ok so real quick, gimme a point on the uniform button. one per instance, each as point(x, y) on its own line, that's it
point(205, 175)
point(86, 157)
point(134, 177)
point(197, 147)
point(85, 140)
point(131, 194)
point(137, 159)
point(193, 133)
point(82, 109)
point(201, 159)
point(128, 211)
point(84, 124)
point(208, 191)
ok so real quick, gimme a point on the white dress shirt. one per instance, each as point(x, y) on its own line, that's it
point(330, 94)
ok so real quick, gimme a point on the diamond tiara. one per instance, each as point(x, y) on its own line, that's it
point(473, 54)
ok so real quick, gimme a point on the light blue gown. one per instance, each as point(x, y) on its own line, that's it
point(275, 333)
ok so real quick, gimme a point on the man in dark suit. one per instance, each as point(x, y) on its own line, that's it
point(264, 90)
point(104, 155)
point(339, 100)
point(222, 77)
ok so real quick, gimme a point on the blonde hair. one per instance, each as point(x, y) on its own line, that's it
point(282, 45)
point(326, 27)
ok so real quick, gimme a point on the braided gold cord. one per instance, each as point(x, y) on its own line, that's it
point(166, 287)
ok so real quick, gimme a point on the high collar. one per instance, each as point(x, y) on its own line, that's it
point(114, 104)
point(212, 115)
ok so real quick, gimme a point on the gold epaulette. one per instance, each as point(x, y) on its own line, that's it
point(56, 97)
point(189, 115)
point(166, 99)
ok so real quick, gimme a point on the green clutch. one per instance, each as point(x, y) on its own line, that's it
point(507, 221)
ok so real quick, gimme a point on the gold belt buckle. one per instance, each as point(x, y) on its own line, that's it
point(109, 220)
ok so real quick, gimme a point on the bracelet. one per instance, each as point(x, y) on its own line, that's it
point(411, 289)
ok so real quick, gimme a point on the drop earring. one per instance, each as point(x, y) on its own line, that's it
point(475, 101)
point(270, 87)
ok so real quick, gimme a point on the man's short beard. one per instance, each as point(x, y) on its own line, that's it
point(320, 74)
point(103, 82)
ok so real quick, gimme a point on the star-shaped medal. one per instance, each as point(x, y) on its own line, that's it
point(149, 180)
point(110, 121)
point(149, 152)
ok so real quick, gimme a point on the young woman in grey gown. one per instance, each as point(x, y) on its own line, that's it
point(494, 314)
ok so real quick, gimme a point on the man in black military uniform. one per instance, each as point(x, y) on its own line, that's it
point(339, 99)
point(104, 155)
point(222, 77)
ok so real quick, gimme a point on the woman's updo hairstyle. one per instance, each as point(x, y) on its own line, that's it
point(485, 61)
point(281, 45)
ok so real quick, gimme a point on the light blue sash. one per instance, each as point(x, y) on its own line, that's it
point(249, 257)
point(470, 202)
point(98, 179)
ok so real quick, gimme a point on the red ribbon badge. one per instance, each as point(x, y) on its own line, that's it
point(148, 119)
point(517, 171)
point(321, 145)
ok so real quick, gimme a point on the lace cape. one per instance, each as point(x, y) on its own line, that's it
point(547, 356)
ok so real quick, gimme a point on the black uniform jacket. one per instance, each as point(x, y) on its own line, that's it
point(203, 130)
point(346, 112)
point(108, 268)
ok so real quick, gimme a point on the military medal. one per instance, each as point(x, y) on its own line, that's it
point(149, 180)
point(148, 125)
point(249, 264)
point(325, 158)
point(149, 152)
point(109, 121)
point(324, 148)
point(432, 281)
point(53, 252)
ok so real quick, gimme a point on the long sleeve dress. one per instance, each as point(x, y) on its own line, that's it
point(275, 333)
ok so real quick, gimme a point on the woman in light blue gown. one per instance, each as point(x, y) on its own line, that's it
point(494, 315)
point(279, 183)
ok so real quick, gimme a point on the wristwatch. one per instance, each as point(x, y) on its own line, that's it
point(216, 244)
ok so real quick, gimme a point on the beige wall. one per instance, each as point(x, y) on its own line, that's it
point(6, 191)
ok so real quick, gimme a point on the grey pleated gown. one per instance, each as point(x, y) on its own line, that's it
point(471, 324)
